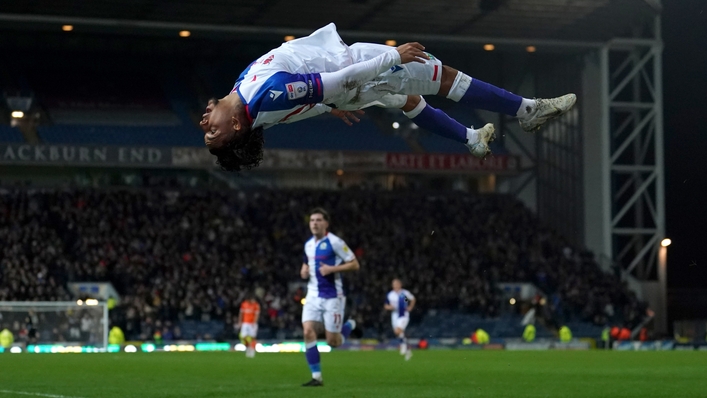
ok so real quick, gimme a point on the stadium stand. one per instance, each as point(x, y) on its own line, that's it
point(445, 323)
point(327, 133)
point(121, 135)
point(10, 135)
point(124, 109)
point(182, 260)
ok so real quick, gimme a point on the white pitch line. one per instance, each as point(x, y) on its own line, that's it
point(36, 394)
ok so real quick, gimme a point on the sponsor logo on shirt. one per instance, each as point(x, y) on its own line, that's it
point(274, 94)
point(268, 59)
point(296, 90)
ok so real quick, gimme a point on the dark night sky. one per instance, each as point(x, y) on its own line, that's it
point(685, 105)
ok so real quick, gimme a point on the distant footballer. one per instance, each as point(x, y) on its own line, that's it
point(326, 257)
point(400, 302)
point(248, 323)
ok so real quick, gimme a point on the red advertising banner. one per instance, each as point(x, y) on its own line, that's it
point(283, 159)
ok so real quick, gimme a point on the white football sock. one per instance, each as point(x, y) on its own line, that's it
point(403, 343)
point(459, 86)
point(417, 109)
point(472, 136)
point(527, 108)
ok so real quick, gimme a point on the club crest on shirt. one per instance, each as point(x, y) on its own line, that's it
point(296, 90)
point(322, 246)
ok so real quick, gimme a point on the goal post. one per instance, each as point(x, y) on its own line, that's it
point(63, 323)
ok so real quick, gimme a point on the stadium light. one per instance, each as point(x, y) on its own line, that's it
point(91, 302)
point(531, 49)
point(512, 301)
point(339, 172)
point(67, 28)
point(184, 33)
point(17, 114)
point(391, 43)
point(289, 37)
point(489, 47)
point(396, 125)
point(303, 301)
point(79, 302)
point(666, 242)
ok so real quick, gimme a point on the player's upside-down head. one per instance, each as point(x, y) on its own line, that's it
point(229, 136)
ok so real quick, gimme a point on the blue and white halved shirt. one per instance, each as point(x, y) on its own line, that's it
point(330, 250)
point(399, 301)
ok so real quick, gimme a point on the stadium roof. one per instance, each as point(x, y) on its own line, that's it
point(565, 20)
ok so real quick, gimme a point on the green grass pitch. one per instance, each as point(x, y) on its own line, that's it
point(460, 373)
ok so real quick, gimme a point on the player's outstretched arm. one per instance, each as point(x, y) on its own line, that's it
point(352, 265)
point(346, 116)
point(411, 304)
point(315, 110)
point(412, 52)
point(240, 319)
point(353, 76)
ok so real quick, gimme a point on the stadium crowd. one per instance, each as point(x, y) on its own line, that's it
point(177, 255)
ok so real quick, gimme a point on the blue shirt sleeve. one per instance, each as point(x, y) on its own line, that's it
point(283, 91)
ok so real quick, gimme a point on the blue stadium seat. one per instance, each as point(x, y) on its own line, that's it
point(192, 330)
point(330, 133)
point(459, 325)
point(121, 135)
point(11, 135)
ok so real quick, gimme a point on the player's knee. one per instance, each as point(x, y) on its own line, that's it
point(411, 102)
point(448, 76)
point(333, 341)
point(309, 333)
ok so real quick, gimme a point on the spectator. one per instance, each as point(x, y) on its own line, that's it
point(177, 255)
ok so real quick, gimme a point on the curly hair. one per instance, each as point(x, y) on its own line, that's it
point(243, 152)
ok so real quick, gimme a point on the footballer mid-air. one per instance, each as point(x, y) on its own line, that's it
point(320, 73)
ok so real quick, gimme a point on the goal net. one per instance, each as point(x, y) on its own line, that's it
point(43, 324)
